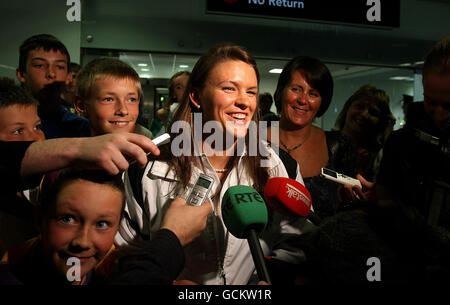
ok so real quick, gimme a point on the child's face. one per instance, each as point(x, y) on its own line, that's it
point(113, 106)
point(81, 224)
point(43, 68)
point(20, 123)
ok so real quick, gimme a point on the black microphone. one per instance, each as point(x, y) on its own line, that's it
point(244, 213)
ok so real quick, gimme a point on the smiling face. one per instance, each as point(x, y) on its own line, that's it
point(300, 101)
point(20, 123)
point(362, 118)
point(81, 224)
point(112, 106)
point(229, 96)
point(43, 68)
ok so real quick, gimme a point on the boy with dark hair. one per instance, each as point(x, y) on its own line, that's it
point(43, 71)
point(77, 234)
point(43, 59)
point(19, 120)
point(75, 225)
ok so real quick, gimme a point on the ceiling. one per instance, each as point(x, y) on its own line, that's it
point(163, 65)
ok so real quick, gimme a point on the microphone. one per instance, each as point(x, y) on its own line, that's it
point(289, 197)
point(244, 213)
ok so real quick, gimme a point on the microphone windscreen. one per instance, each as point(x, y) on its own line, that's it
point(243, 208)
point(287, 196)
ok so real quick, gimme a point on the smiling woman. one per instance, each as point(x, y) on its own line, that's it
point(367, 119)
point(223, 89)
point(304, 92)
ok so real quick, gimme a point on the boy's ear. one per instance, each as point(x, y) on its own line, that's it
point(79, 105)
point(194, 99)
point(20, 76)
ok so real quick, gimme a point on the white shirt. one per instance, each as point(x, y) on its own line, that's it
point(216, 256)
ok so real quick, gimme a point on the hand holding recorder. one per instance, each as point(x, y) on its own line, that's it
point(185, 221)
point(339, 178)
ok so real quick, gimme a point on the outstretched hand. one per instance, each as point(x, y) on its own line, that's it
point(110, 152)
point(185, 221)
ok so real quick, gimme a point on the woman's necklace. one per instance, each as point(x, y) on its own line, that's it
point(220, 170)
point(296, 146)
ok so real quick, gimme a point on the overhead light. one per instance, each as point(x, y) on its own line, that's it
point(142, 65)
point(144, 75)
point(406, 64)
point(405, 78)
point(278, 71)
point(183, 66)
point(145, 69)
point(419, 62)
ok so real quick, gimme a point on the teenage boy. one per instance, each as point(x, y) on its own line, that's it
point(43, 70)
point(19, 120)
point(109, 93)
point(78, 225)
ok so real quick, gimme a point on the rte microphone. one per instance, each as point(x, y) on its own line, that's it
point(244, 213)
point(288, 197)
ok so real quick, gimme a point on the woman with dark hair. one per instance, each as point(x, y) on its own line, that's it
point(367, 119)
point(304, 92)
point(221, 96)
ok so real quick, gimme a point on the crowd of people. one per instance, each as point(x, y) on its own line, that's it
point(88, 198)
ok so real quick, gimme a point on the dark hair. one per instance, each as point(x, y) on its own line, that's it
point(171, 84)
point(407, 99)
point(74, 67)
point(11, 94)
point(54, 182)
point(44, 41)
point(317, 75)
point(201, 71)
point(378, 97)
point(266, 99)
point(438, 58)
point(372, 94)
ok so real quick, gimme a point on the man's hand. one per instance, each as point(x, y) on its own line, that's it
point(185, 221)
point(110, 152)
point(350, 194)
point(113, 152)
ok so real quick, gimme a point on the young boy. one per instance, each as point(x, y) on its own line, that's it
point(77, 228)
point(43, 71)
point(108, 94)
point(19, 121)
